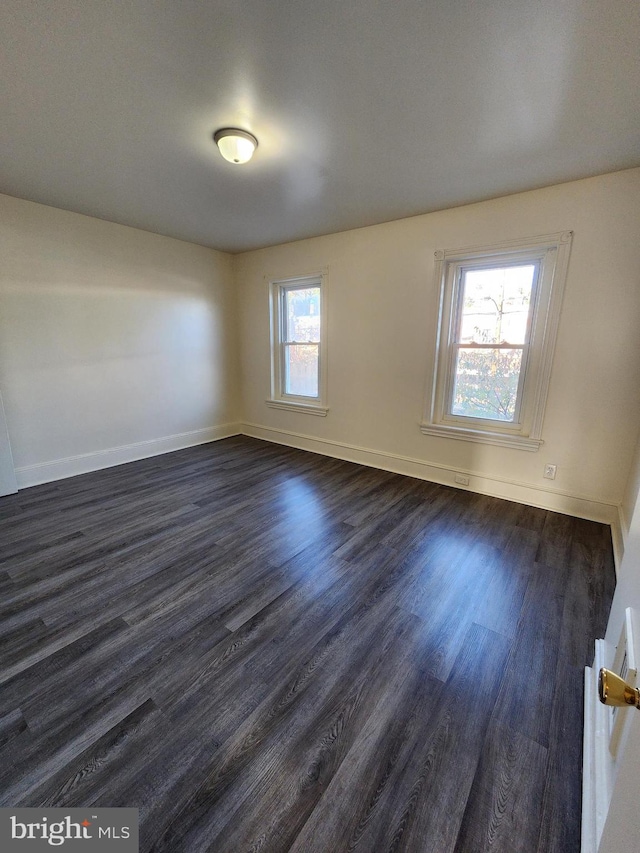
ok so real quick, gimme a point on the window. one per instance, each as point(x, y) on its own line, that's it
point(497, 323)
point(298, 350)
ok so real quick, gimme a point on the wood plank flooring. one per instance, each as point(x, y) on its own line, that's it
point(267, 650)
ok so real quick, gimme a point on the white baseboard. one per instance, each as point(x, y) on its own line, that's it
point(60, 469)
point(582, 506)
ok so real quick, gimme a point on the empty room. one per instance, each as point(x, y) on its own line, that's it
point(320, 426)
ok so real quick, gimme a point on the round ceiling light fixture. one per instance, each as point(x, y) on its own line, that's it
point(235, 145)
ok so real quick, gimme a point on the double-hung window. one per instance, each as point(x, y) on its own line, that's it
point(498, 316)
point(298, 345)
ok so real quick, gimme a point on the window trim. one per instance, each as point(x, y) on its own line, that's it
point(279, 399)
point(551, 253)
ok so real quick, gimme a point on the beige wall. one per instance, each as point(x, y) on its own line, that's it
point(382, 303)
point(109, 337)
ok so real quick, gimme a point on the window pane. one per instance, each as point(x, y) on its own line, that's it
point(495, 305)
point(303, 314)
point(301, 370)
point(486, 383)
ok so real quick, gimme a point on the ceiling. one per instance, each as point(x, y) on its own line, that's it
point(365, 110)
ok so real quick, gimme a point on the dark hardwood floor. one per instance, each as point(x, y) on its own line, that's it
point(268, 650)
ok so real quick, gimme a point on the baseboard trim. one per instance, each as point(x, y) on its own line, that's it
point(84, 463)
point(579, 505)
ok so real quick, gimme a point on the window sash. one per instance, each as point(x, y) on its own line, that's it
point(455, 345)
point(287, 342)
point(285, 290)
point(284, 341)
point(284, 368)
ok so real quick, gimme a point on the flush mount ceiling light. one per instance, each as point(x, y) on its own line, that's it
point(235, 145)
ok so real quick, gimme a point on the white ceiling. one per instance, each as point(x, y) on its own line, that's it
point(365, 110)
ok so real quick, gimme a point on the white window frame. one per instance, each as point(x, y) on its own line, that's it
point(550, 255)
point(279, 399)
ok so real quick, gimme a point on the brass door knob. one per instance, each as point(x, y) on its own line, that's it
point(614, 691)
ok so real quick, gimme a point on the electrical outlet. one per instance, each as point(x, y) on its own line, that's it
point(550, 472)
point(462, 479)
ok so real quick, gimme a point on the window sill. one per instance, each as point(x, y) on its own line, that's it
point(500, 439)
point(302, 408)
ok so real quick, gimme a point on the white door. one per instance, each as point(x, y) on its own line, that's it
point(621, 826)
point(611, 799)
point(8, 484)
